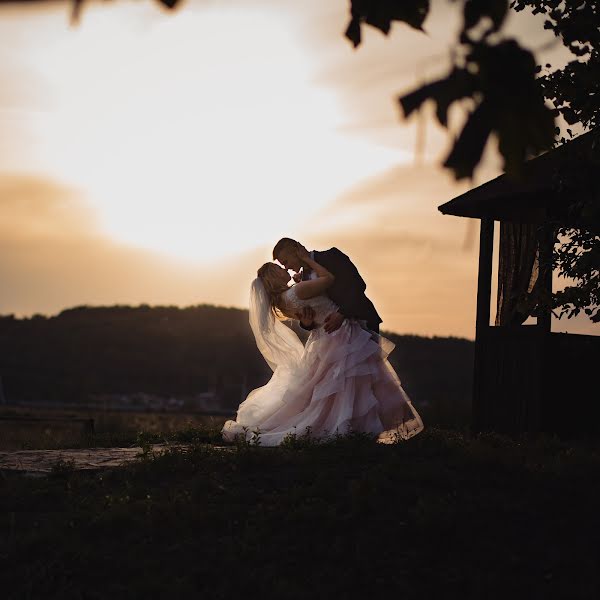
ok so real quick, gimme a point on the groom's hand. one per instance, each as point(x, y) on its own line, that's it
point(306, 316)
point(333, 322)
point(302, 254)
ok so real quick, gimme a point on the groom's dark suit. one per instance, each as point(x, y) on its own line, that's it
point(348, 289)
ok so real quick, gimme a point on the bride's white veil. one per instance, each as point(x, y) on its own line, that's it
point(282, 349)
point(279, 345)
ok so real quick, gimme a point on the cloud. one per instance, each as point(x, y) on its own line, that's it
point(32, 207)
point(419, 272)
point(399, 207)
point(53, 255)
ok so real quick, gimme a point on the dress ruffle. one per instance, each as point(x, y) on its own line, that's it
point(342, 383)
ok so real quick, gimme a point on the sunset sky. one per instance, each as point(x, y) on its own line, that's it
point(154, 157)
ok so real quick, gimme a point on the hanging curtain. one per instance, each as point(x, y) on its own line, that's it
point(518, 270)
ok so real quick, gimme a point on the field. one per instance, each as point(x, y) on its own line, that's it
point(35, 428)
point(443, 514)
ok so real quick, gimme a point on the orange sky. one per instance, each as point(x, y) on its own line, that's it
point(156, 158)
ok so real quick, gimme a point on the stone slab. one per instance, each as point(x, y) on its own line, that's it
point(42, 461)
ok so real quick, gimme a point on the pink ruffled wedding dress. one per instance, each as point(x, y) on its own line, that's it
point(337, 383)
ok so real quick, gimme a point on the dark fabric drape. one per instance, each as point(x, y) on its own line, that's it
point(517, 272)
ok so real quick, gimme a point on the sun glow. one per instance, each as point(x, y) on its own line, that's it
point(200, 135)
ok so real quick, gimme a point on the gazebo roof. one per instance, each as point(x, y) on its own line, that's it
point(540, 193)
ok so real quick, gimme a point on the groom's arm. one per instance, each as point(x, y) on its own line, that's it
point(348, 282)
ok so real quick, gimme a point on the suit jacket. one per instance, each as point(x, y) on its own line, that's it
point(348, 289)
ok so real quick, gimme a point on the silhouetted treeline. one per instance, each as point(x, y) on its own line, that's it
point(172, 351)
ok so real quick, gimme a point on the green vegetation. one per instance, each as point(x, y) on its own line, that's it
point(489, 517)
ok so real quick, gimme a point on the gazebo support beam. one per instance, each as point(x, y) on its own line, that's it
point(546, 237)
point(484, 290)
point(484, 280)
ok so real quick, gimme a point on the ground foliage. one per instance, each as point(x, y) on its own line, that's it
point(441, 515)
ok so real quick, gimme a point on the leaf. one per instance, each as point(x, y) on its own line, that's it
point(507, 79)
point(76, 11)
point(468, 148)
point(459, 84)
point(475, 10)
point(381, 13)
point(412, 101)
point(353, 32)
point(170, 4)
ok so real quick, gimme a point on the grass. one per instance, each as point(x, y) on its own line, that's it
point(440, 515)
point(112, 428)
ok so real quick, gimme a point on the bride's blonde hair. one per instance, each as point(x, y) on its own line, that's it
point(274, 288)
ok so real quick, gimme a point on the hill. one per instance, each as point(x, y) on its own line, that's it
point(172, 351)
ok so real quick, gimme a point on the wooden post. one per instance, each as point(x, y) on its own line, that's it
point(546, 238)
point(484, 289)
point(544, 407)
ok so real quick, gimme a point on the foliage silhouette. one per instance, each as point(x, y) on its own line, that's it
point(498, 76)
point(513, 101)
point(170, 351)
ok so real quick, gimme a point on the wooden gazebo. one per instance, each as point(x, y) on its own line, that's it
point(527, 378)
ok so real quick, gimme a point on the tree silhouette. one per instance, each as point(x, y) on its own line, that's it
point(165, 350)
point(515, 101)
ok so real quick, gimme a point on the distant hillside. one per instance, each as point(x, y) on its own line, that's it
point(167, 350)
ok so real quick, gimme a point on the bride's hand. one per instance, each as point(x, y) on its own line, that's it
point(334, 321)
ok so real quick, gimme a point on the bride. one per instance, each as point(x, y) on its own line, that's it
point(339, 382)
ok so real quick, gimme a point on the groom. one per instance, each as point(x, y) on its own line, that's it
point(347, 291)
